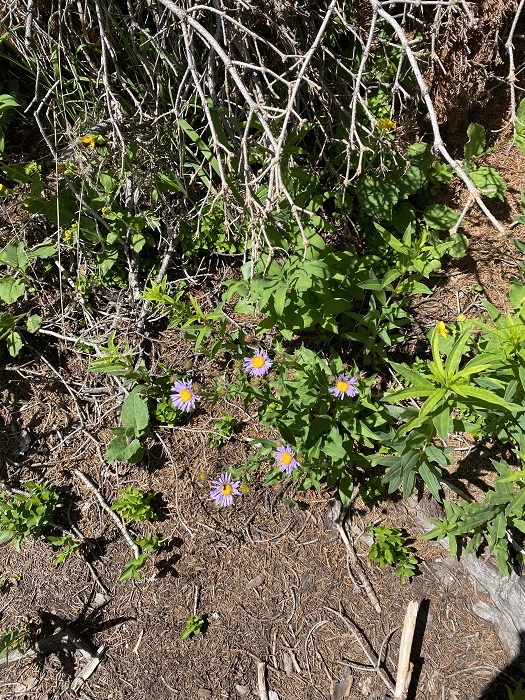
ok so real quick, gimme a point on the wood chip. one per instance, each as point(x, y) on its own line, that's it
point(341, 689)
point(257, 581)
point(287, 664)
point(242, 690)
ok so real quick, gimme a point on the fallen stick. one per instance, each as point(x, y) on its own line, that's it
point(61, 640)
point(87, 482)
point(365, 646)
point(404, 667)
point(359, 568)
point(261, 679)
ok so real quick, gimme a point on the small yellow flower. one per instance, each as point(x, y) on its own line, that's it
point(442, 329)
point(461, 318)
point(1, 187)
point(386, 124)
point(88, 140)
point(68, 234)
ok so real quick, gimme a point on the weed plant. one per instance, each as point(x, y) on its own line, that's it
point(171, 170)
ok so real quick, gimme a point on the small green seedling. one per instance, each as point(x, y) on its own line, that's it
point(193, 626)
point(390, 548)
point(11, 640)
point(149, 545)
point(68, 547)
point(224, 428)
point(135, 504)
point(22, 515)
point(518, 693)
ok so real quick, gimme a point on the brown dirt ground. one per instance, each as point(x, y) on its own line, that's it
point(266, 578)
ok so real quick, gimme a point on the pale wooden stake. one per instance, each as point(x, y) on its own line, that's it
point(404, 667)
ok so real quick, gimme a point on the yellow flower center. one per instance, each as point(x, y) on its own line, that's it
point(342, 386)
point(226, 489)
point(286, 458)
point(185, 395)
point(258, 361)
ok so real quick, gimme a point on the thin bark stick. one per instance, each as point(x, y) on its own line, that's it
point(359, 568)
point(365, 646)
point(404, 667)
point(439, 146)
point(261, 679)
point(91, 486)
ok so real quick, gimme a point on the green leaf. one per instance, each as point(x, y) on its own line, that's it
point(7, 101)
point(279, 298)
point(414, 392)
point(33, 323)
point(15, 256)
point(109, 184)
point(135, 414)
point(459, 245)
point(391, 240)
point(519, 132)
point(377, 196)
point(42, 251)
point(416, 378)
point(489, 181)
point(131, 568)
point(430, 479)
point(345, 489)
point(11, 289)
point(516, 295)
point(455, 355)
point(120, 450)
point(14, 343)
point(432, 401)
point(474, 392)
point(517, 504)
point(476, 141)
point(107, 258)
point(443, 423)
point(439, 217)
point(437, 367)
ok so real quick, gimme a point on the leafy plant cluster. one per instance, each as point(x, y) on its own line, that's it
point(323, 309)
point(36, 514)
point(390, 548)
point(11, 640)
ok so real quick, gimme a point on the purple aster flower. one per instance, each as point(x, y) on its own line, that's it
point(344, 387)
point(182, 395)
point(258, 365)
point(224, 489)
point(285, 458)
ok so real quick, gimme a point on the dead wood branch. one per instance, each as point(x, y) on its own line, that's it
point(358, 567)
point(404, 667)
point(61, 640)
point(439, 146)
point(261, 680)
point(118, 522)
point(367, 649)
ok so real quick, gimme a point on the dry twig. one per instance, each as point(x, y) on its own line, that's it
point(359, 568)
point(404, 667)
point(91, 486)
point(261, 680)
point(367, 649)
